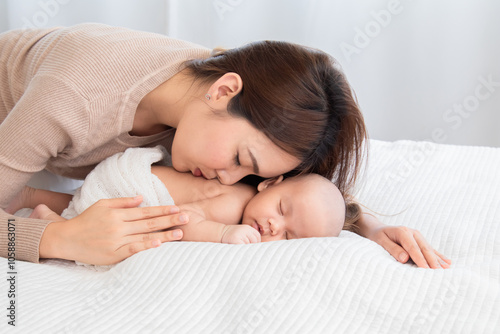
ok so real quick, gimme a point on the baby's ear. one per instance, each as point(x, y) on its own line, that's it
point(269, 182)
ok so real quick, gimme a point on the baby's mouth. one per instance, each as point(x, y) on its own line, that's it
point(259, 228)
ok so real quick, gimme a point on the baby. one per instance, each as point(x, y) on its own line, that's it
point(298, 207)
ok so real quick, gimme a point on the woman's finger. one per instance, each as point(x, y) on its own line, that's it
point(445, 262)
point(165, 236)
point(444, 258)
point(407, 240)
point(430, 256)
point(135, 214)
point(121, 202)
point(130, 249)
point(156, 223)
point(393, 248)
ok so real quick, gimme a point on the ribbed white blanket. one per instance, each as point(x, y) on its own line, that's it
point(318, 285)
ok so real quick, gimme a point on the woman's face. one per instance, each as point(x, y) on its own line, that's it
point(226, 147)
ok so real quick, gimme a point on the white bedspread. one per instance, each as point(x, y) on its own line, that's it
point(318, 285)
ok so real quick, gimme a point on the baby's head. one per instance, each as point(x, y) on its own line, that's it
point(298, 207)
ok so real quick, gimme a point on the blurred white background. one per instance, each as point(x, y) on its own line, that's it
point(422, 70)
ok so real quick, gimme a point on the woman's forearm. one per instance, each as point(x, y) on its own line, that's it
point(23, 234)
point(367, 224)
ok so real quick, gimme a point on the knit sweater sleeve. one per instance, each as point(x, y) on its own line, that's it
point(49, 111)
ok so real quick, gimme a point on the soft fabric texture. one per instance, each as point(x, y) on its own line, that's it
point(126, 174)
point(68, 98)
point(318, 285)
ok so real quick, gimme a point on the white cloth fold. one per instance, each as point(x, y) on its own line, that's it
point(125, 174)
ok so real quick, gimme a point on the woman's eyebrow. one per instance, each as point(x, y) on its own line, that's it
point(254, 162)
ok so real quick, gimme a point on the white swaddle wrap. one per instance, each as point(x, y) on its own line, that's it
point(125, 174)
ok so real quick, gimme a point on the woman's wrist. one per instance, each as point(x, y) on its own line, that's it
point(367, 224)
point(52, 241)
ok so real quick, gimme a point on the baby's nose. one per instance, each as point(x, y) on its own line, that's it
point(274, 227)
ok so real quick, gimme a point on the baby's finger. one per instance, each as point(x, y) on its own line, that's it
point(255, 238)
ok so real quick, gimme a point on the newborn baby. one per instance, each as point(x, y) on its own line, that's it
point(299, 207)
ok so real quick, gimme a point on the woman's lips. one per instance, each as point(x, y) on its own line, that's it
point(197, 172)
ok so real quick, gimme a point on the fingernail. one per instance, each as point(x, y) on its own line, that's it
point(156, 243)
point(177, 234)
point(174, 209)
point(137, 197)
point(402, 257)
point(183, 218)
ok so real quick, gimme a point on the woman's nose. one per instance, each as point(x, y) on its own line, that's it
point(223, 177)
point(229, 177)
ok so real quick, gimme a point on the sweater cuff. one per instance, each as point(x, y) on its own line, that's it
point(25, 237)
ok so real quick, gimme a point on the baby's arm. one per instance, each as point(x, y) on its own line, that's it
point(214, 218)
point(201, 229)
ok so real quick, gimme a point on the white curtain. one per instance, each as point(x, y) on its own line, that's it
point(422, 70)
point(149, 15)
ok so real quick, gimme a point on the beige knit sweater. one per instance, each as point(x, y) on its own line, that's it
point(68, 97)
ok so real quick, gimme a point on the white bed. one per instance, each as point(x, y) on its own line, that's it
point(318, 285)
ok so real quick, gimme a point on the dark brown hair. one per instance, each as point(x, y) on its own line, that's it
point(353, 213)
point(299, 98)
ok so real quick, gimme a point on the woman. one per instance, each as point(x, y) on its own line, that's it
point(70, 97)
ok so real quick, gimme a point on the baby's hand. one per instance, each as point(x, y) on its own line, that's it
point(240, 234)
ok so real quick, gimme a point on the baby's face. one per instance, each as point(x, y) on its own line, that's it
point(300, 207)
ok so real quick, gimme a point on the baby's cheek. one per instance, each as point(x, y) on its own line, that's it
point(245, 220)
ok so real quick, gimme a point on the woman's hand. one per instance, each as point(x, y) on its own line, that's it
point(403, 243)
point(110, 231)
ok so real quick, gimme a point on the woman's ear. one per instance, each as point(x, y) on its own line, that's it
point(269, 182)
point(226, 87)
